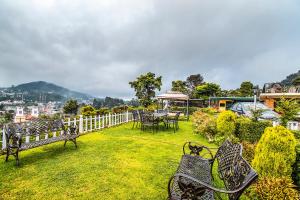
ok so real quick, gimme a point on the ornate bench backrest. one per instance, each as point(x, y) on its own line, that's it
point(233, 169)
point(16, 133)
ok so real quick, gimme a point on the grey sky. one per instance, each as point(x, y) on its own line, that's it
point(97, 47)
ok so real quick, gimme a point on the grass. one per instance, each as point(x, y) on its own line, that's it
point(115, 163)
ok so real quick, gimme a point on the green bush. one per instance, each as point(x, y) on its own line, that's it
point(204, 124)
point(275, 152)
point(102, 111)
point(248, 151)
point(226, 125)
point(296, 167)
point(270, 188)
point(88, 110)
point(210, 111)
point(251, 131)
point(296, 134)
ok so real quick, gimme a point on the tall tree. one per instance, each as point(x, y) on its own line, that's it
point(288, 108)
point(194, 80)
point(145, 86)
point(71, 107)
point(207, 89)
point(179, 86)
point(246, 89)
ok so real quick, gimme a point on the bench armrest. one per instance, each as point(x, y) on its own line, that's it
point(222, 190)
point(196, 148)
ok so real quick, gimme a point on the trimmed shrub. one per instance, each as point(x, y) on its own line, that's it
point(204, 124)
point(248, 151)
point(251, 131)
point(270, 188)
point(226, 125)
point(210, 111)
point(275, 152)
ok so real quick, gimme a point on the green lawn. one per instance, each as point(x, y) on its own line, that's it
point(115, 163)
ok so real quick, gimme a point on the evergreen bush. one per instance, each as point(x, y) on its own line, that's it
point(275, 152)
point(226, 126)
point(251, 131)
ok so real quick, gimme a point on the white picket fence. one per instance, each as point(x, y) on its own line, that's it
point(88, 124)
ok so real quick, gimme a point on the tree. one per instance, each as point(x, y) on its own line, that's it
point(288, 109)
point(88, 110)
point(208, 89)
point(145, 86)
point(97, 103)
point(8, 116)
point(296, 81)
point(71, 107)
point(246, 89)
point(179, 86)
point(194, 80)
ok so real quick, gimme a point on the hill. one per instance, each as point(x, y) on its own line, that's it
point(290, 78)
point(41, 90)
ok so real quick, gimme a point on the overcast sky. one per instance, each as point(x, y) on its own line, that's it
point(97, 47)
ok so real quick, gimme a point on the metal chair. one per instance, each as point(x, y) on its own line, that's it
point(148, 120)
point(172, 120)
point(136, 118)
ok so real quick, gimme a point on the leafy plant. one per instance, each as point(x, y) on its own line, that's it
point(256, 114)
point(288, 108)
point(270, 188)
point(275, 152)
point(204, 124)
point(226, 125)
point(250, 131)
point(248, 151)
point(88, 110)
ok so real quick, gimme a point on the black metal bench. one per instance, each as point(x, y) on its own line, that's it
point(194, 178)
point(23, 136)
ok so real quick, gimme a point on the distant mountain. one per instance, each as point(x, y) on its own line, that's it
point(289, 79)
point(41, 90)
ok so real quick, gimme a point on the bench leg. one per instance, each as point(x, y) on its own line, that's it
point(7, 154)
point(17, 157)
point(65, 143)
point(74, 141)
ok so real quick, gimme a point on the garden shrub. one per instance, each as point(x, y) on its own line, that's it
point(296, 134)
point(226, 125)
point(204, 124)
point(210, 111)
point(248, 150)
point(296, 167)
point(270, 188)
point(102, 111)
point(251, 131)
point(275, 152)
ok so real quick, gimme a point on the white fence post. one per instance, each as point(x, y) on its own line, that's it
point(3, 139)
point(109, 119)
point(127, 116)
point(86, 124)
point(80, 124)
point(91, 123)
point(69, 122)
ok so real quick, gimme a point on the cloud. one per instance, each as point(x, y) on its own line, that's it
point(97, 47)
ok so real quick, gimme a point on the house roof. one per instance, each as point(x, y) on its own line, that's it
point(173, 95)
point(279, 95)
point(232, 98)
